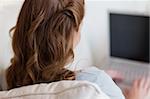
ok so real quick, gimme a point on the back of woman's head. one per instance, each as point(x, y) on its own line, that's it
point(43, 41)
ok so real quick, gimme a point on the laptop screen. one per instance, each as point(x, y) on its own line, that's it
point(129, 37)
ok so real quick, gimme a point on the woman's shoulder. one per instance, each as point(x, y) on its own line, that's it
point(102, 79)
point(91, 73)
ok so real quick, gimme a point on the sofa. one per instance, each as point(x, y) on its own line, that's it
point(56, 90)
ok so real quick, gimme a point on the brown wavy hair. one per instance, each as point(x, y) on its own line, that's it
point(43, 41)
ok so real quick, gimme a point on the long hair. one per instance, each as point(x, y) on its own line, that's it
point(43, 41)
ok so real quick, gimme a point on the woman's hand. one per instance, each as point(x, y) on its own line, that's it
point(139, 90)
point(115, 75)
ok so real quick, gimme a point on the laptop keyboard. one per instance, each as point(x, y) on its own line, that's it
point(130, 73)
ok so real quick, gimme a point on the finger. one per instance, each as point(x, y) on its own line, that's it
point(136, 83)
point(126, 92)
point(142, 83)
point(145, 83)
point(147, 86)
point(148, 92)
point(115, 75)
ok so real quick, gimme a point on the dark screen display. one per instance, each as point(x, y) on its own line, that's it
point(129, 37)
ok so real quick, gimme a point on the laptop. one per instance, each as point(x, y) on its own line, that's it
point(129, 46)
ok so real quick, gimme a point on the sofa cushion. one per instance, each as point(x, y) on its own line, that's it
point(56, 90)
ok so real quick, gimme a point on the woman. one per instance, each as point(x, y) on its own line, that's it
point(44, 37)
point(43, 41)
